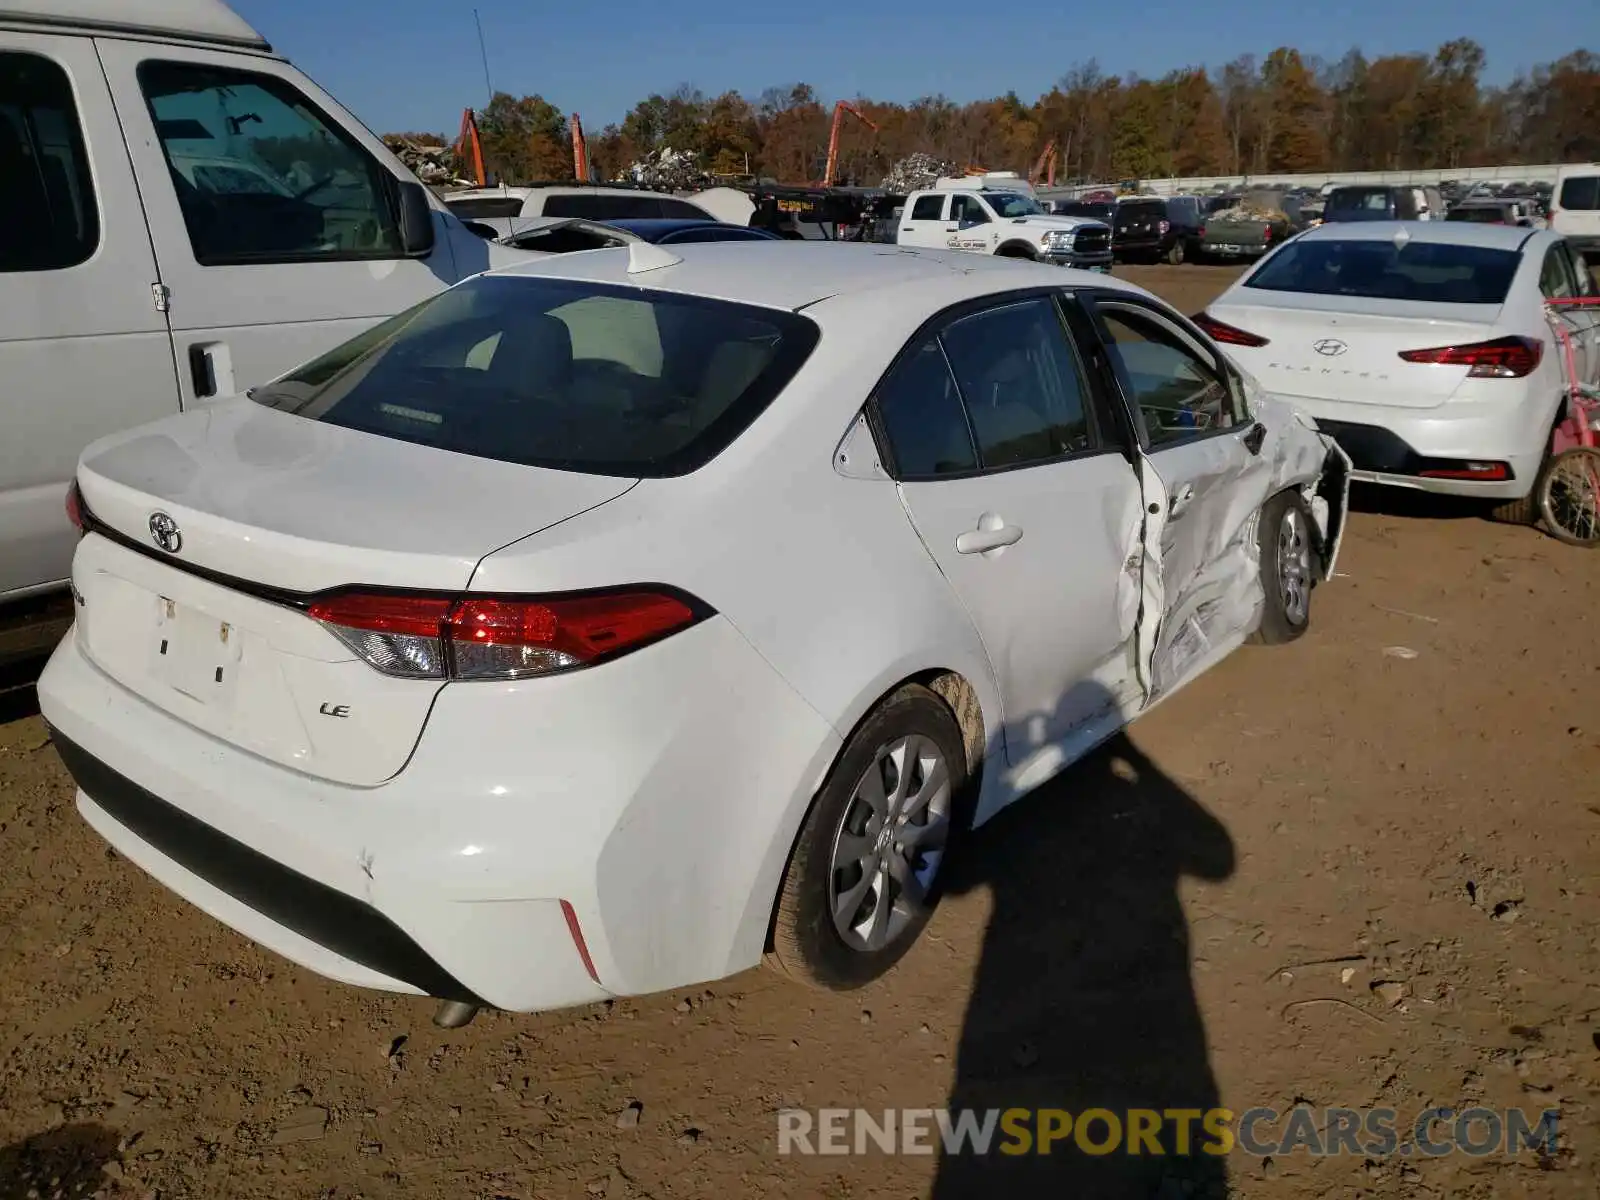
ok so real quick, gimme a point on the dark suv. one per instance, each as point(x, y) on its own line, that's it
point(1156, 228)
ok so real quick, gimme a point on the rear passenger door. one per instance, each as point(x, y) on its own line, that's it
point(1205, 481)
point(267, 274)
point(1022, 492)
point(84, 349)
point(924, 222)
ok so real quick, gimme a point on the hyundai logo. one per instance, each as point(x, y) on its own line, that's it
point(165, 533)
point(1330, 347)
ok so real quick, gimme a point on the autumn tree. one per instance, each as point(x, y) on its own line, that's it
point(1291, 113)
point(525, 139)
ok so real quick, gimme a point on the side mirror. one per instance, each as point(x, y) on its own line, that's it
point(416, 219)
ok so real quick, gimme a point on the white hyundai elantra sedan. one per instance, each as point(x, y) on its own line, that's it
point(605, 624)
point(1424, 348)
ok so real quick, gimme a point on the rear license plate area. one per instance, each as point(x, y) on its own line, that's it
point(195, 654)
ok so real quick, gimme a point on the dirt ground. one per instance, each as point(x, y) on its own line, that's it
point(1408, 792)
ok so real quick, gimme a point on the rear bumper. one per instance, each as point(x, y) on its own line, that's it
point(657, 797)
point(1394, 446)
point(1233, 250)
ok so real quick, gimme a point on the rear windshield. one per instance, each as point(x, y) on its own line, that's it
point(558, 373)
point(1142, 209)
point(1373, 200)
point(604, 207)
point(485, 207)
point(1429, 271)
point(1100, 212)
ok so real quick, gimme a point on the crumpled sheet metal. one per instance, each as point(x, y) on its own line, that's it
point(915, 173)
point(1215, 563)
point(434, 165)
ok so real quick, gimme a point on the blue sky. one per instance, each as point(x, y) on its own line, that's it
point(418, 65)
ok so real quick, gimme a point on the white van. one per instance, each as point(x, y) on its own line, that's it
point(183, 215)
point(1575, 207)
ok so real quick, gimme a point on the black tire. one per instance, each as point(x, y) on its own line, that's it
point(1176, 256)
point(806, 944)
point(1280, 622)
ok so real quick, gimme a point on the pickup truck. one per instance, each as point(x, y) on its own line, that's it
point(1246, 230)
point(1002, 221)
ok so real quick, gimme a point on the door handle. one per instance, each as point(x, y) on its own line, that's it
point(210, 370)
point(982, 540)
point(952, 229)
point(1178, 503)
point(1255, 438)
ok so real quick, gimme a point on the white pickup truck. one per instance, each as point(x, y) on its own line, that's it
point(987, 214)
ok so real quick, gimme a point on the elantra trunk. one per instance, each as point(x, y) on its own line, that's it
point(1320, 350)
point(209, 534)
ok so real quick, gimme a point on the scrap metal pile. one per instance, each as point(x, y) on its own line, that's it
point(434, 165)
point(1258, 204)
point(916, 172)
point(668, 170)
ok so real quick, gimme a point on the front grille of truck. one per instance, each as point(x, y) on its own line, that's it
point(1092, 241)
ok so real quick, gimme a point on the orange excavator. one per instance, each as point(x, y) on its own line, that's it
point(1047, 161)
point(580, 151)
point(469, 148)
point(839, 111)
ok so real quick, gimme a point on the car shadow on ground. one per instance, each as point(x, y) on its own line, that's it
point(1083, 998)
point(19, 697)
point(63, 1164)
point(1415, 505)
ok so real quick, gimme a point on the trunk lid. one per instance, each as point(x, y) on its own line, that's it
point(1320, 350)
point(267, 507)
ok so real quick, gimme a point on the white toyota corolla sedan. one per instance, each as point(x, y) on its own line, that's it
point(1423, 347)
point(605, 624)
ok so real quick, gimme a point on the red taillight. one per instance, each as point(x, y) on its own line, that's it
point(1202, 232)
point(1228, 335)
point(1502, 358)
point(75, 506)
point(1266, 234)
point(498, 637)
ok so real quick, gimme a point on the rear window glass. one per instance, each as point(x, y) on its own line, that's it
point(602, 207)
point(1429, 271)
point(485, 207)
point(558, 373)
point(1360, 200)
point(1143, 208)
point(1580, 192)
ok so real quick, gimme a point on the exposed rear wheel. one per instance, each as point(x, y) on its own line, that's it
point(1288, 568)
point(867, 868)
point(1175, 256)
point(1568, 494)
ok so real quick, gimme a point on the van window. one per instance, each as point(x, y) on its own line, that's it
point(261, 175)
point(484, 208)
point(604, 207)
point(47, 204)
point(1581, 192)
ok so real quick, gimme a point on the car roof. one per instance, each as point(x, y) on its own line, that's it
point(191, 20)
point(1494, 237)
point(792, 275)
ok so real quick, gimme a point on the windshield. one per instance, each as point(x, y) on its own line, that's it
point(558, 373)
point(1434, 272)
point(1483, 214)
point(1012, 204)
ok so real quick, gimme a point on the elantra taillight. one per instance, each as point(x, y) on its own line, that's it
point(500, 637)
point(1502, 358)
point(1227, 335)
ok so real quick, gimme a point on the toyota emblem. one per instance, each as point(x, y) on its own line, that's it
point(165, 533)
point(1330, 347)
